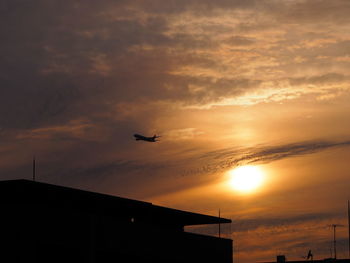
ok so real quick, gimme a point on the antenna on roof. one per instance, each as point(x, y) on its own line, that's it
point(219, 225)
point(349, 224)
point(34, 168)
point(231, 228)
point(334, 226)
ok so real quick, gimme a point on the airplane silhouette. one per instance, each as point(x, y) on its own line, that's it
point(139, 137)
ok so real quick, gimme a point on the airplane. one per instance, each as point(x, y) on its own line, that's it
point(139, 137)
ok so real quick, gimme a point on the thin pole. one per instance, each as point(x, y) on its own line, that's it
point(219, 224)
point(334, 242)
point(34, 168)
point(349, 225)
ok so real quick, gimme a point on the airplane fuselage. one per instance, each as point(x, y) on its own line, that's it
point(139, 137)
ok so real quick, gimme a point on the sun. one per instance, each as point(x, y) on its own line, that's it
point(246, 179)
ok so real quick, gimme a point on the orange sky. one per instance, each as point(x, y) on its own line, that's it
point(225, 83)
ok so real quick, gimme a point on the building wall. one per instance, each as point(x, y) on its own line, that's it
point(44, 233)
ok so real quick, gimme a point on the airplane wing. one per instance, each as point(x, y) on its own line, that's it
point(139, 137)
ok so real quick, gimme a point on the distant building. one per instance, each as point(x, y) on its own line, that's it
point(47, 223)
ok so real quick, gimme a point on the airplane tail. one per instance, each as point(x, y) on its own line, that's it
point(155, 137)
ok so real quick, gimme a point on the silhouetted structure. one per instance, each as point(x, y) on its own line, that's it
point(349, 226)
point(282, 259)
point(48, 223)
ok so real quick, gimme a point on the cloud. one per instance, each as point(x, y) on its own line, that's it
point(315, 11)
point(229, 158)
point(325, 79)
point(73, 61)
point(183, 134)
point(240, 41)
point(196, 165)
point(244, 225)
point(64, 62)
point(80, 76)
point(277, 225)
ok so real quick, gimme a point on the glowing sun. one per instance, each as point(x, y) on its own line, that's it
point(246, 179)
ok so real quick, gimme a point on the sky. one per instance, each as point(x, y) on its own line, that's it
point(226, 83)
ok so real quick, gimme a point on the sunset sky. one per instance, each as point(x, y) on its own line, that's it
point(226, 83)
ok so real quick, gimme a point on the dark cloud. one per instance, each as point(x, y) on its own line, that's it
point(29, 103)
point(325, 79)
point(53, 55)
point(196, 6)
point(312, 11)
point(240, 41)
point(61, 62)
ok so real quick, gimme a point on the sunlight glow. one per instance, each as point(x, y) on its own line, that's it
point(246, 179)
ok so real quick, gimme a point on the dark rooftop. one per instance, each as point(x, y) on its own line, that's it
point(30, 192)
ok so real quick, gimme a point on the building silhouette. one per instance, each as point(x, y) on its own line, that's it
point(48, 223)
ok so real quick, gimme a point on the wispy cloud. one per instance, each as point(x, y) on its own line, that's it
point(244, 225)
point(229, 158)
point(210, 162)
